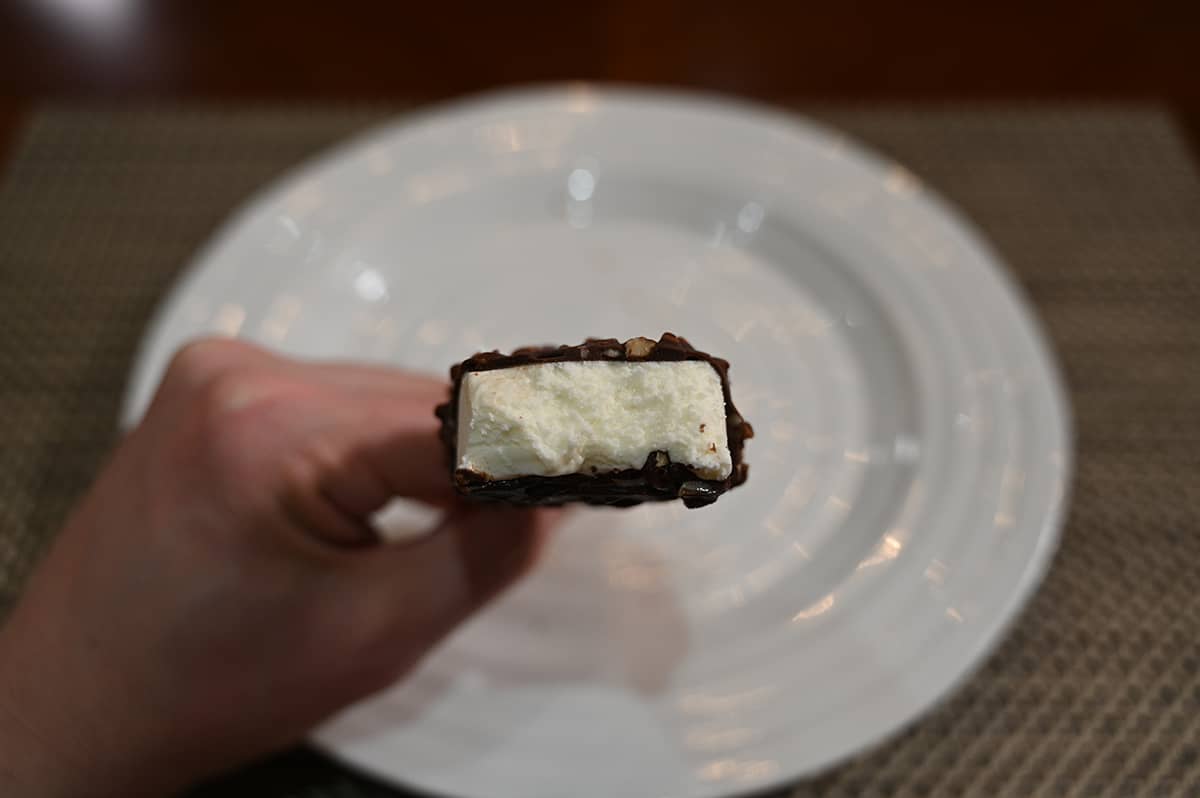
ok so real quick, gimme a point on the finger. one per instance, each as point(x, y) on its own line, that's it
point(498, 546)
point(202, 359)
point(382, 381)
point(495, 546)
point(393, 448)
point(318, 517)
point(341, 475)
point(380, 464)
point(430, 586)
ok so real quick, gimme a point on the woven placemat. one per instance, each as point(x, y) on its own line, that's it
point(1095, 692)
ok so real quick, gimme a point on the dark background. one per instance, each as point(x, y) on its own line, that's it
point(138, 51)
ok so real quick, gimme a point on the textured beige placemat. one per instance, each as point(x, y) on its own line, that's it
point(1096, 691)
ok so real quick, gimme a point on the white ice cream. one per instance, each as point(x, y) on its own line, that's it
point(551, 419)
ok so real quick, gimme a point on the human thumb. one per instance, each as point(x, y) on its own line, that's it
point(427, 587)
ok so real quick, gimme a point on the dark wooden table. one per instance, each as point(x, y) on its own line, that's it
point(136, 51)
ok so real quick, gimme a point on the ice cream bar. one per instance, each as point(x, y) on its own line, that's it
point(605, 422)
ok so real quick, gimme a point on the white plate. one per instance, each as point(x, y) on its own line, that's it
point(906, 482)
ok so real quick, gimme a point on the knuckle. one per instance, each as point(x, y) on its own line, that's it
point(227, 392)
point(304, 469)
point(198, 361)
point(218, 405)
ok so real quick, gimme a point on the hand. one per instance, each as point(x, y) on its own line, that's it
point(218, 591)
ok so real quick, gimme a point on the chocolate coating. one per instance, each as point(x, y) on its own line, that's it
point(657, 480)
